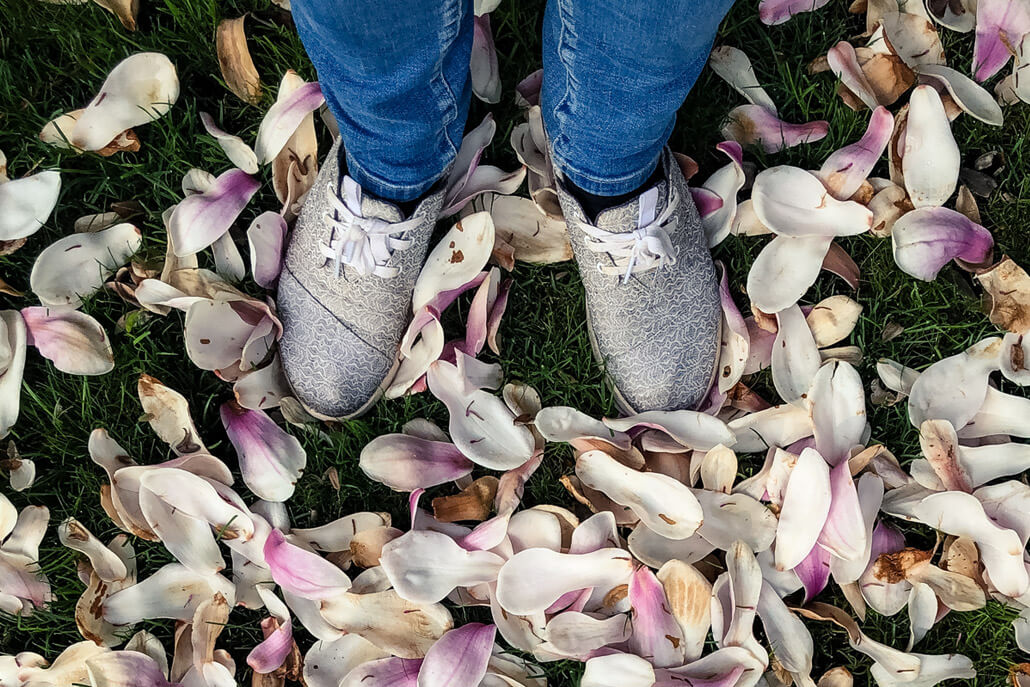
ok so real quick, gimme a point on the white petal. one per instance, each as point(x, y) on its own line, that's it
point(930, 161)
point(76, 266)
point(783, 271)
point(793, 202)
point(806, 503)
point(26, 203)
point(459, 256)
point(172, 592)
point(795, 357)
point(424, 567)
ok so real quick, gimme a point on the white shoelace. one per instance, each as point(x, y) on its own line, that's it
point(366, 244)
point(645, 248)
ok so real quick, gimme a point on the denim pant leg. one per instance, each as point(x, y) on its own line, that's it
point(395, 76)
point(615, 72)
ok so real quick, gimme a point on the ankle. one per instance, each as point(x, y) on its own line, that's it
point(594, 204)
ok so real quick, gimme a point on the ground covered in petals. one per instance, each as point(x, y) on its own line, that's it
point(53, 57)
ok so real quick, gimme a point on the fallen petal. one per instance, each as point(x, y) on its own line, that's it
point(72, 340)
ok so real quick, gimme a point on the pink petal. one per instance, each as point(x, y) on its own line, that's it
point(844, 532)
point(483, 71)
point(459, 658)
point(384, 672)
point(267, 656)
point(773, 12)
point(302, 572)
point(266, 237)
point(707, 202)
point(814, 571)
point(283, 118)
point(74, 341)
point(753, 124)
point(493, 320)
point(125, 669)
point(999, 24)
point(656, 633)
point(736, 342)
point(926, 239)
point(476, 322)
point(529, 87)
point(407, 463)
point(270, 459)
point(846, 169)
point(199, 220)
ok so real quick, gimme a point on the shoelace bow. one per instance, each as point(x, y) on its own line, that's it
point(364, 243)
point(645, 248)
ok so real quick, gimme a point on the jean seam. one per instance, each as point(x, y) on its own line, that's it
point(560, 108)
point(449, 102)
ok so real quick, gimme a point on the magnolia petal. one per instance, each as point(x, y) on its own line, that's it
point(690, 429)
point(201, 219)
point(844, 532)
point(140, 89)
point(930, 160)
point(733, 66)
point(723, 184)
point(931, 670)
point(954, 388)
point(302, 572)
point(618, 670)
point(845, 169)
point(656, 632)
point(74, 341)
point(266, 237)
point(789, 639)
point(523, 590)
point(295, 167)
point(654, 550)
point(754, 124)
point(837, 401)
point(338, 534)
point(731, 517)
point(406, 463)
point(27, 204)
point(13, 342)
point(125, 669)
point(481, 426)
point(327, 663)
point(105, 563)
point(168, 413)
point(200, 498)
point(999, 414)
point(798, 527)
point(664, 504)
point(283, 119)
point(238, 152)
point(172, 592)
point(793, 202)
point(967, 94)
point(76, 266)
point(577, 635)
point(456, 260)
point(833, 319)
point(270, 654)
point(262, 388)
point(234, 61)
point(188, 539)
point(870, 497)
point(533, 236)
point(270, 459)
point(795, 357)
point(926, 239)
point(400, 627)
point(565, 424)
point(773, 12)
point(688, 594)
point(780, 425)
point(783, 271)
point(843, 61)
point(814, 571)
point(913, 38)
point(458, 658)
point(483, 71)
point(425, 566)
point(1000, 24)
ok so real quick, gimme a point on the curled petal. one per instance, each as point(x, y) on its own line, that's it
point(74, 341)
point(168, 413)
point(967, 94)
point(793, 202)
point(844, 532)
point(27, 204)
point(201, 219)
point(689, 429)
point(270, 459)
point(283, 119)
point(483, 71)
point(733, 66)
point(723, 186)
point(238, 152)
point(456, 260)
point(843, 61)
point(753, 124)
point(844, 170)
point(780, 425)
point(106, 564)
point(140, 89)
point(926, 239)
point(266, 237)
point(76, 266)
point(532, 580)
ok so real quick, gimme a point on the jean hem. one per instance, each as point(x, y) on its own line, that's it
point(604, 186)
point(388, 190)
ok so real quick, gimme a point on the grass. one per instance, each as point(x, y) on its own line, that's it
point(53, 57)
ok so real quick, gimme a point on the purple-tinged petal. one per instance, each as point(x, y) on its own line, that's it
point(724, 184)
point(844, 532)
point(124, 669)
point(459, 658)
point(238, 152)
point(844, 170)
point(27, 204)
point(926, 239)
point(814, 571)
point(407, 463)
point(773, 12)
point(493, 320)
point(266, 237)
point(455, 263)
point(483, 71)
point(529, 87)
point(707, 202)
point(270, 459)
point(302, 572)
point(806, 504)
point(476, 320)
point(753, 124)
point(735, 344)
point(283, 118)
point(1000, 26)
point(267, 656)
point(199, 220)
point(656, 634)
point(72, 340)
point(384, 672)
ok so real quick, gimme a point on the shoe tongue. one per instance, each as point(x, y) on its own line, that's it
point(628, 216)
point(371, 207)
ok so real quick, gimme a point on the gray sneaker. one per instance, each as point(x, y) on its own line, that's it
point(345, 292)
point(651, 294)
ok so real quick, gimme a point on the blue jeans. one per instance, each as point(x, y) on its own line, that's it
point(395, 75)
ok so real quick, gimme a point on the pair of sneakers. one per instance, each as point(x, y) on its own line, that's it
point(345, 293)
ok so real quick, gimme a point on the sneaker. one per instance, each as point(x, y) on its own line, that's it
point(345, 292)
point(652, 297)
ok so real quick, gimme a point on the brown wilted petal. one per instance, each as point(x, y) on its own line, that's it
point(1007, 295)
point(234, 60)
point(473, 503)
point(125, 10)
point(295, 167)
point(367, 545)
point(168, 413)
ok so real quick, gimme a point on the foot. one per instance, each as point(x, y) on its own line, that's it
point(345, 292)
point(651, 294)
